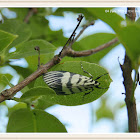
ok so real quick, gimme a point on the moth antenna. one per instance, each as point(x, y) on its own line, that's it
point(86, 71)
point(101, 76)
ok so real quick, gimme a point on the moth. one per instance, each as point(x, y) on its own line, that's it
point(67, 83)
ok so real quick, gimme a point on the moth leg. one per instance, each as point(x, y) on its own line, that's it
point(101, 87)
point(88, 93)
point(91, 89)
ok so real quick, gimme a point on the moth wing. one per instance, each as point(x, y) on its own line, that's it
point(54, 80)
point(66, 83)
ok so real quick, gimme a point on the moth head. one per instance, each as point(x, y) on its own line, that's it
point(97, 83)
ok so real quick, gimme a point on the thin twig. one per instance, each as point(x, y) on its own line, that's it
point(131, 14)
point(73, 53)
point(73, 33)
point(30, 13)
point(84, 27)
point(67, 51)
point(38, 49)
point(80, 33)
point(8, 93)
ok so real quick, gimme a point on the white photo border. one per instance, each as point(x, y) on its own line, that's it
point(56, 136)
point(69, 3)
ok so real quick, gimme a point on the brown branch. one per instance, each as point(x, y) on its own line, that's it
point(80, 17)
point(129, 85)
point(131, 104)
point(73, 53)
point(67, 51)
point(30, 13)
point(8, 93)
point(84, 27)
point(131, 14)
point(38, 49)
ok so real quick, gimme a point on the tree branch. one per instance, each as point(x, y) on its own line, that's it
point(128, 84)
point(84, 27)
point(131, 104)
point(8, 93)
point(73, 53)
point(30, 13)
point(66, 51)
point(131, 14)
point(80, 17)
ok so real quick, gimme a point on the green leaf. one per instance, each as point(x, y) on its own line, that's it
point(42, 104)
point(27, 49)
point(138, 21)
point(39, 82)
point(73, 99)
point(129, 37)
point(93, 69)
point(91, 42)
point(33, 60)
point(18, 28)
point(104, 111)
point(20, 12)
point(37, 22)
point(21, 120)
point(111, 18)
point(23, 73)
point(41, 30)
point(39, 26)
point(16, 107)
point(36, 92)
point(25, 120)
point(47, 123)
point(39, 97)
point(56, 37)
point(6, 39)
point(4, 80)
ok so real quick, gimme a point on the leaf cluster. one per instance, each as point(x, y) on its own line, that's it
point(23, 37)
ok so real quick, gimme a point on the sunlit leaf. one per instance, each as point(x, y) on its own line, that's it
point(25, 120)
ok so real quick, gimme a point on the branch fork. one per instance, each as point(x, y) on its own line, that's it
point(66, 51)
